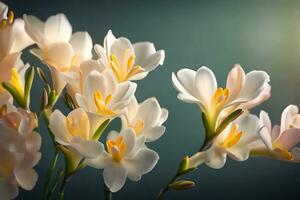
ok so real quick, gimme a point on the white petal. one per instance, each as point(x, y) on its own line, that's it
point(33, 141)
point(123, 95)
point(59, 55)
point(215, 158)
point(154, 133)
point(115, 176)
point(265, 131)
point(88, 149)
point(58, 28)
point(34, 28)
point(150, 112)
point(26, 178)
point(206, 85)
point(129, 139)
point(87, 66)
point(164, 116)
point(102, 161)
point(288, 138)
point(119, 46)
point(142, 163)
point(263, 96)
point(57, 124)
point(255, 82)
point(286, 116)
point(184, 94)
point(108, 41)
point(82, 45)
point(112, 135)
point(238, 152)
point(235, 81)
point(147, 57)
point(250, 125)
point(21, 39)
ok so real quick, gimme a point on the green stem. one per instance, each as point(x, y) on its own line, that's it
point(107, 193)
point(49, 175)
point(63, 186)
point(166, 188)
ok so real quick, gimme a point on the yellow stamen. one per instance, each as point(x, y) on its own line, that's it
point(3, 110)
point(220, 97)
point(101, 103)
point(10, 17)
point(233, 137)
point(116, 148)
point(122, 72)
point(138, 126)
point(283, 153)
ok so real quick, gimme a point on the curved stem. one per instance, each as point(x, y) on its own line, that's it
point(107, 193)
point(166, 188)
point(49, 175)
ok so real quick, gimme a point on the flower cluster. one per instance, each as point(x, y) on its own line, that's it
point(97, 90)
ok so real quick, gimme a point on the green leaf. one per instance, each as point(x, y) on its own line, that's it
point(15, 93)
point(28, 84)
point(52, 98)
point(182, 185)
point(100, 129)
point(234, 115)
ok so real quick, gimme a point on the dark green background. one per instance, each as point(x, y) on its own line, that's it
point(257, 34)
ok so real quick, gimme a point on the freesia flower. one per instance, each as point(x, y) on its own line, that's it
point(124, 157)
point(234, 141)
point(74, 132)
point(102, 97)
point(145, 118)
point(241, 90)
point(61, 50)
point(280, 142)
point(19, 150)
point(128, 61)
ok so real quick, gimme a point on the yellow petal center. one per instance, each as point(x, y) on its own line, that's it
point(126, 69)
point(78, 126)
point(138, 126)
point(101, 103)
point(233, 137)
point(116, 148)
point(219, 98)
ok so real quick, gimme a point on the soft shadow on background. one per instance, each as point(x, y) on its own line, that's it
point(257, 34)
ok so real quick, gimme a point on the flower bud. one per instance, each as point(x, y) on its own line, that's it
point(182, 185)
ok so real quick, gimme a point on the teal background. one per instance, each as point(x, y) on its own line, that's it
point(258, 34)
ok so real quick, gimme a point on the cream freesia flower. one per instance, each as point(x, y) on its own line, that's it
point(241, 90)
point(74, 133)
point(234, 141)
point(124, 157)
point(128, 61)
point(280, 142)
point(145, 118)
point(58, 47)
point(19, 150)
point(102, 97)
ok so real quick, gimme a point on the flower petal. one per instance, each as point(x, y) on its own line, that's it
point(150, 112)
point(215, 158)
point(26, 178)
point(129, 139)
point(102, 161)
point(8, 188)
point(235, 81)
point(286, 116)
point(82, 45)
point(115, 176)
point(206, 85)
point(57, 124)
point(58, 28)
point(197, 159)
point(154, 133)
point(142, 163)
point(288, 138)
point(34, 28)
point(88, 149)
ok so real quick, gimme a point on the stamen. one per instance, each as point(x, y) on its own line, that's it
point(101, 103)
point(138, 126)
point(116, 148)
point(233, 138)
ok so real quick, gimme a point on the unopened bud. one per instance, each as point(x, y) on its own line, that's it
point(182, 185)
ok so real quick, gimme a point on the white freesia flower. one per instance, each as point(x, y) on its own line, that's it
point(124, 157)
point(102, 97)
point(280, 142)
point(128, 61)
point(145, 118)
point(19, 150)
point(58, 47)
point(241, 90)
point(73, 132)
point(234, 141)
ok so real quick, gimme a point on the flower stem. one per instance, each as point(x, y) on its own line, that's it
point(49, 175)
point(63, 186)
point(166, 188)
point(107, 193)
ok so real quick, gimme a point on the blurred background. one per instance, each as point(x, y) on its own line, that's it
point(260, 35)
